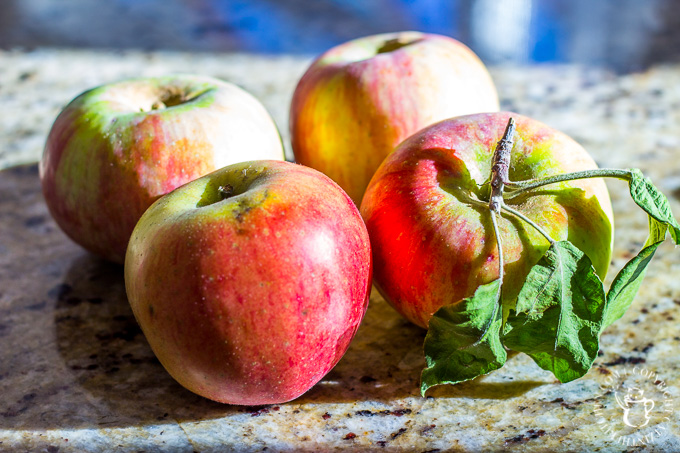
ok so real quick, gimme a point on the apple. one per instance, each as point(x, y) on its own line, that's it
point(250, 282)
point(359, 100)
point(116, 148)
point(426, 211)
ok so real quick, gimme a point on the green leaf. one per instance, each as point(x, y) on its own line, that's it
point(626, 285)
point(627, 282)
point(463, 340)
point(653, 202)
point(559, 313)
point(657, 231)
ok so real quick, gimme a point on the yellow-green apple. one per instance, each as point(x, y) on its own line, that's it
point(116, 148)
point(250, 282)
point(359, 100)
point(427, 213)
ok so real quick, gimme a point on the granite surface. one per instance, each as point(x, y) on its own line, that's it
point(76, 373)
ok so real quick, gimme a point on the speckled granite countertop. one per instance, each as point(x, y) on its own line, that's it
point(76, 374)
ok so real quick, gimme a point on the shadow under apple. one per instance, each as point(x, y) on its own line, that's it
point(102, 344)
point(103, 347)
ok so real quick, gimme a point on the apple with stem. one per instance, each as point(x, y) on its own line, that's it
point(431, 233)
point(358, 100)
point(116, 148)
point(249, 283)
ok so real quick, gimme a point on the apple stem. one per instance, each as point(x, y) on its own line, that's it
point(496, 230)
point(500, 168)
point(530, 222)
point(500, 165)
point(519, 187)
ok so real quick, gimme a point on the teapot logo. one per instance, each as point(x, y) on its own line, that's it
point(636, 407)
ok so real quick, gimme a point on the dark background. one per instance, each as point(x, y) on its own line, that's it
point(624, 35)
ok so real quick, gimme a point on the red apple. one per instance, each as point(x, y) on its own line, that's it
point(426, 210)
point(250, 282)
point(359, 100)
point(115, 149)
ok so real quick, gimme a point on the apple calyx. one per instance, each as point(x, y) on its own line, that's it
point(226, 191)
point(171, 96)
point(562, 307)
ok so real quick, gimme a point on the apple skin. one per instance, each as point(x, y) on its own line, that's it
point(360, 99)
point(254, 298)
point(432, 247)
point(111, 152)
